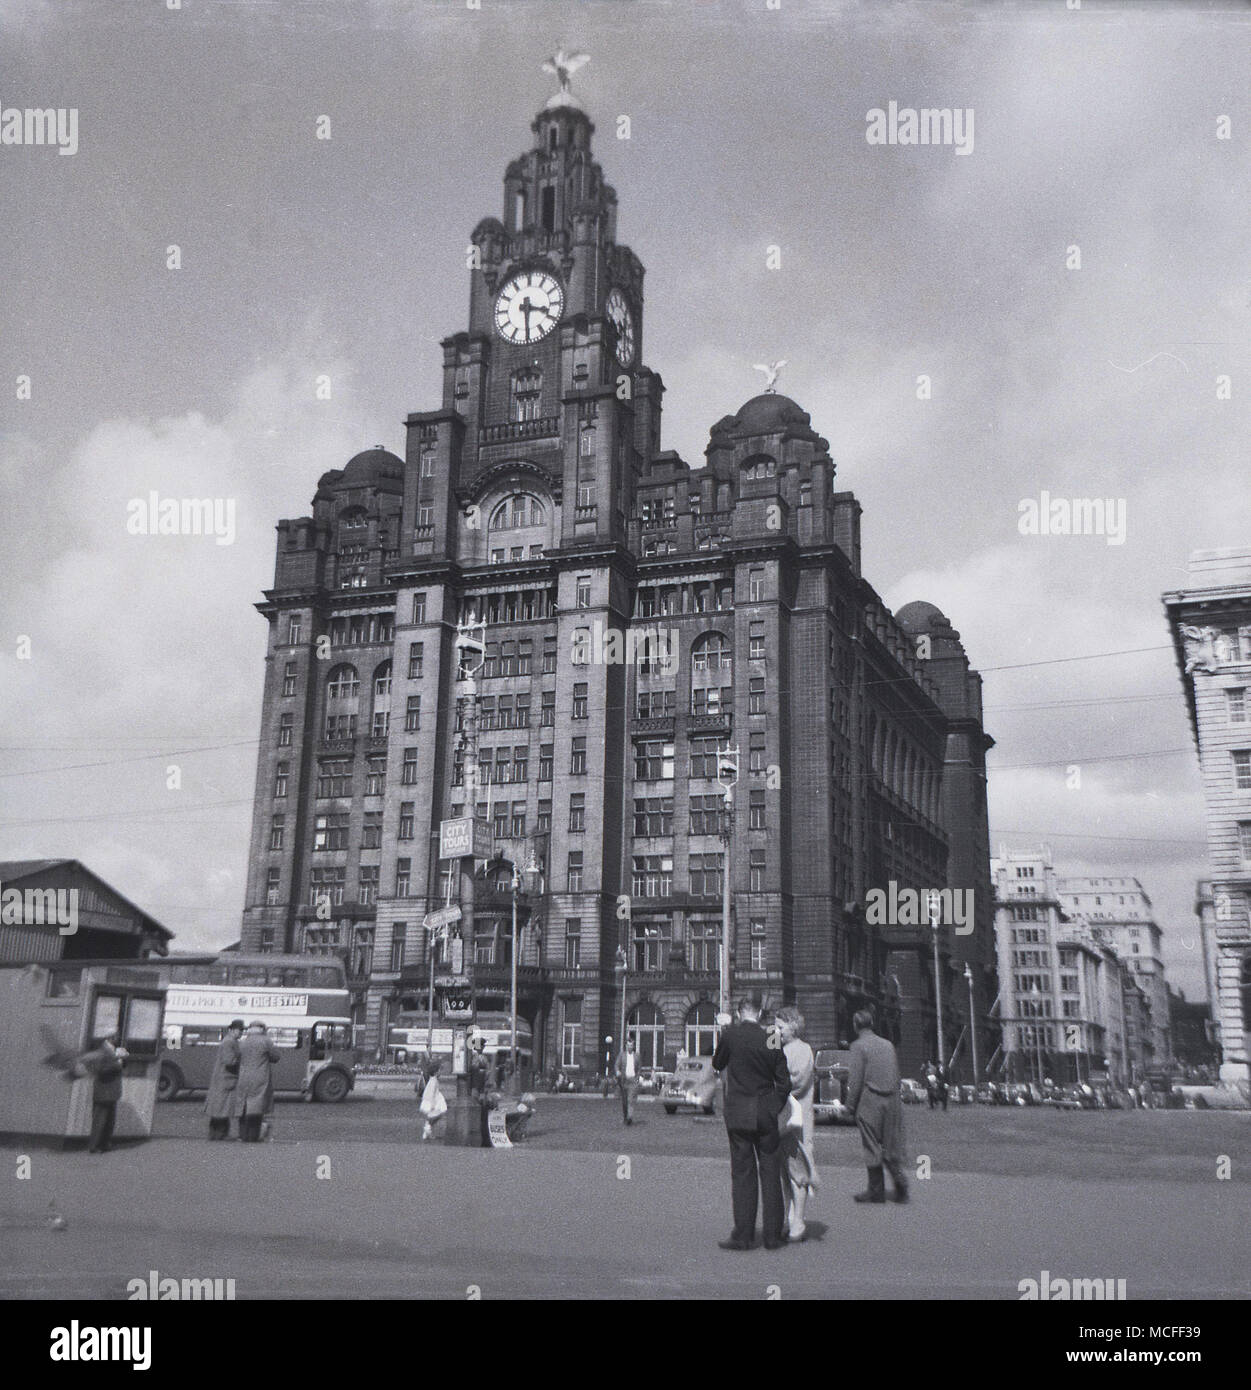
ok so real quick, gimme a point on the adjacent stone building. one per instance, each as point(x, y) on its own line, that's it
point(638, 618)
point(1210, 622)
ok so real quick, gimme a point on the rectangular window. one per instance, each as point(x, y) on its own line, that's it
point(705, 872)
point(703, 952)
point(340, 726)
point(652, 876)
point(549, 656)
point(331, 831)
point(405, 831)
point(521, 764)
point(756, 811)
point(288, 678)
point(656, 704)
point(398, 934)
point(416, 651)
point(653, 760)
point(1244, 838)
point(756, 753)
point(419, 608)
point(280, 779)
point(403, 877)
point(327, 885)
point(577, 813)
point(573, 876)
point(580, 700)
point(273, 887)
point(409, 774)
point(371, 830)
point(285, 726)
point(295, 631)
point(522, 713)
point(757, 954)
point(577, 757)
point(547, 713)
point(1236, 706)
point(755, 585)
point(412, 714)
point(756, 872)
point(705, 753)
point(756, 696)
point(756, 642)
point(517, 826)
point(375, 776)
point(543, 824)
point(500, 828)
point(573, 942)
point(571, 1034)
point(706, 814)
point(1242, 769)
point(276, 831)
point(545, 762)
point(334, 777)
point(653, 816)
point(367, 884)
point(651, 944)
point(525, 657)
point(583, 599)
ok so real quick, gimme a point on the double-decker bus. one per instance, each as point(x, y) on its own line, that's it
point(303, 1002)
point(407, 1039)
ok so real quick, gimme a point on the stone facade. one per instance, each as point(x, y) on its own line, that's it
point(537, 501)
point(1210, 621)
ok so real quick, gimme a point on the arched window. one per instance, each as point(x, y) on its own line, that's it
point(517, 512)
point(760, 466)
point(701, 1029)
point(381, 720)
point(343, 683)
point(353, 519)
point(712, 652)
point(647, 1028)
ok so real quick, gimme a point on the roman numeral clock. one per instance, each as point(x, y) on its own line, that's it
point(528, 307)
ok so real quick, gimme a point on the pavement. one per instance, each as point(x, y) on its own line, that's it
point(353, 1218)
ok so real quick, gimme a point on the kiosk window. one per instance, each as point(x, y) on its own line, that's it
point(143, 1024)
point(107, 1018)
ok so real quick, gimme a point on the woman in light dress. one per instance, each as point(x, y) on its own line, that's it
point(799, 1170)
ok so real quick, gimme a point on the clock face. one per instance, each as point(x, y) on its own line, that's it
point(528, 307)
point(622, 320)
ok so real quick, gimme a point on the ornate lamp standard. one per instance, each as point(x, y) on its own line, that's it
point(968, 979)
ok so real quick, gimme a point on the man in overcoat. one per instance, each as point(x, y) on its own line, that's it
point(254, 1093)
point(219, 1104)
point(873, 1098)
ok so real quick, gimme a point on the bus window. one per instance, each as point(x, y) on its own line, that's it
point(325, 977)
point(285, 1037)
point(327, 1038)
point(248, 975)
point(217, 975)
point(293, 979)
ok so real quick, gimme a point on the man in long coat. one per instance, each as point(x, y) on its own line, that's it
point(873, 1098)
point(254, 1094)
point(219, 1104)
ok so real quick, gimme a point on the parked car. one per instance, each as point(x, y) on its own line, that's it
point(911, 1092)
point(692, 1087)
point(829, 1097)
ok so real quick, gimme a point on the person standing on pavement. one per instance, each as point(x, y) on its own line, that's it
point(104, 1063)
point(799, 1167)
point(219, 1104)
point(757, 1085)
point(254, 1093)
point(433, 1105)
point(873, 1099)
point(628, 1079)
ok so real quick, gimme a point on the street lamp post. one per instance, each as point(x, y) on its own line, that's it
point(938, 983)
point(533, 874)
point(728, 772)
point(622, 964)
point(968, 976)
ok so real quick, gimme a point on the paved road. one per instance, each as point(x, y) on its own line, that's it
point(328, 1215)
point(398, 1219)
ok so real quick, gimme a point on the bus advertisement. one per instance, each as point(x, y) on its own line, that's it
point(408, 1039)
point(303, 1001)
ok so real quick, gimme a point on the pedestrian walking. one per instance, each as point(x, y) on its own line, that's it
point(104, 1063)
point(433, 1106)
point(219, 1104)
point(799, 1167)
point(628, 1079)
point(254, 1091)
point(757, 1085)
point(873, 1099)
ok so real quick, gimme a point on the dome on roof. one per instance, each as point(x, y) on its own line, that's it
point(372, 464)
point(920, 616)
point(768, 413)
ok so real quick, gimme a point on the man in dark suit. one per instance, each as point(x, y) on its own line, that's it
point(757, 1084)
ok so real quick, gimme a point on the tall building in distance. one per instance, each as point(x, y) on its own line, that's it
point(1210, 622)
point(639, 618)
point(1070, 1005)
point(1123, 912)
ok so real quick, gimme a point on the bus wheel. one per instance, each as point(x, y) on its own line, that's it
point(330, 1086)
point(168, 1082)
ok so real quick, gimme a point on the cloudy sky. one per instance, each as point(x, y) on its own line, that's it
point(300, 258)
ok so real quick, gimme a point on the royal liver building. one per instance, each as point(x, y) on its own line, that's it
point(536, 511)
